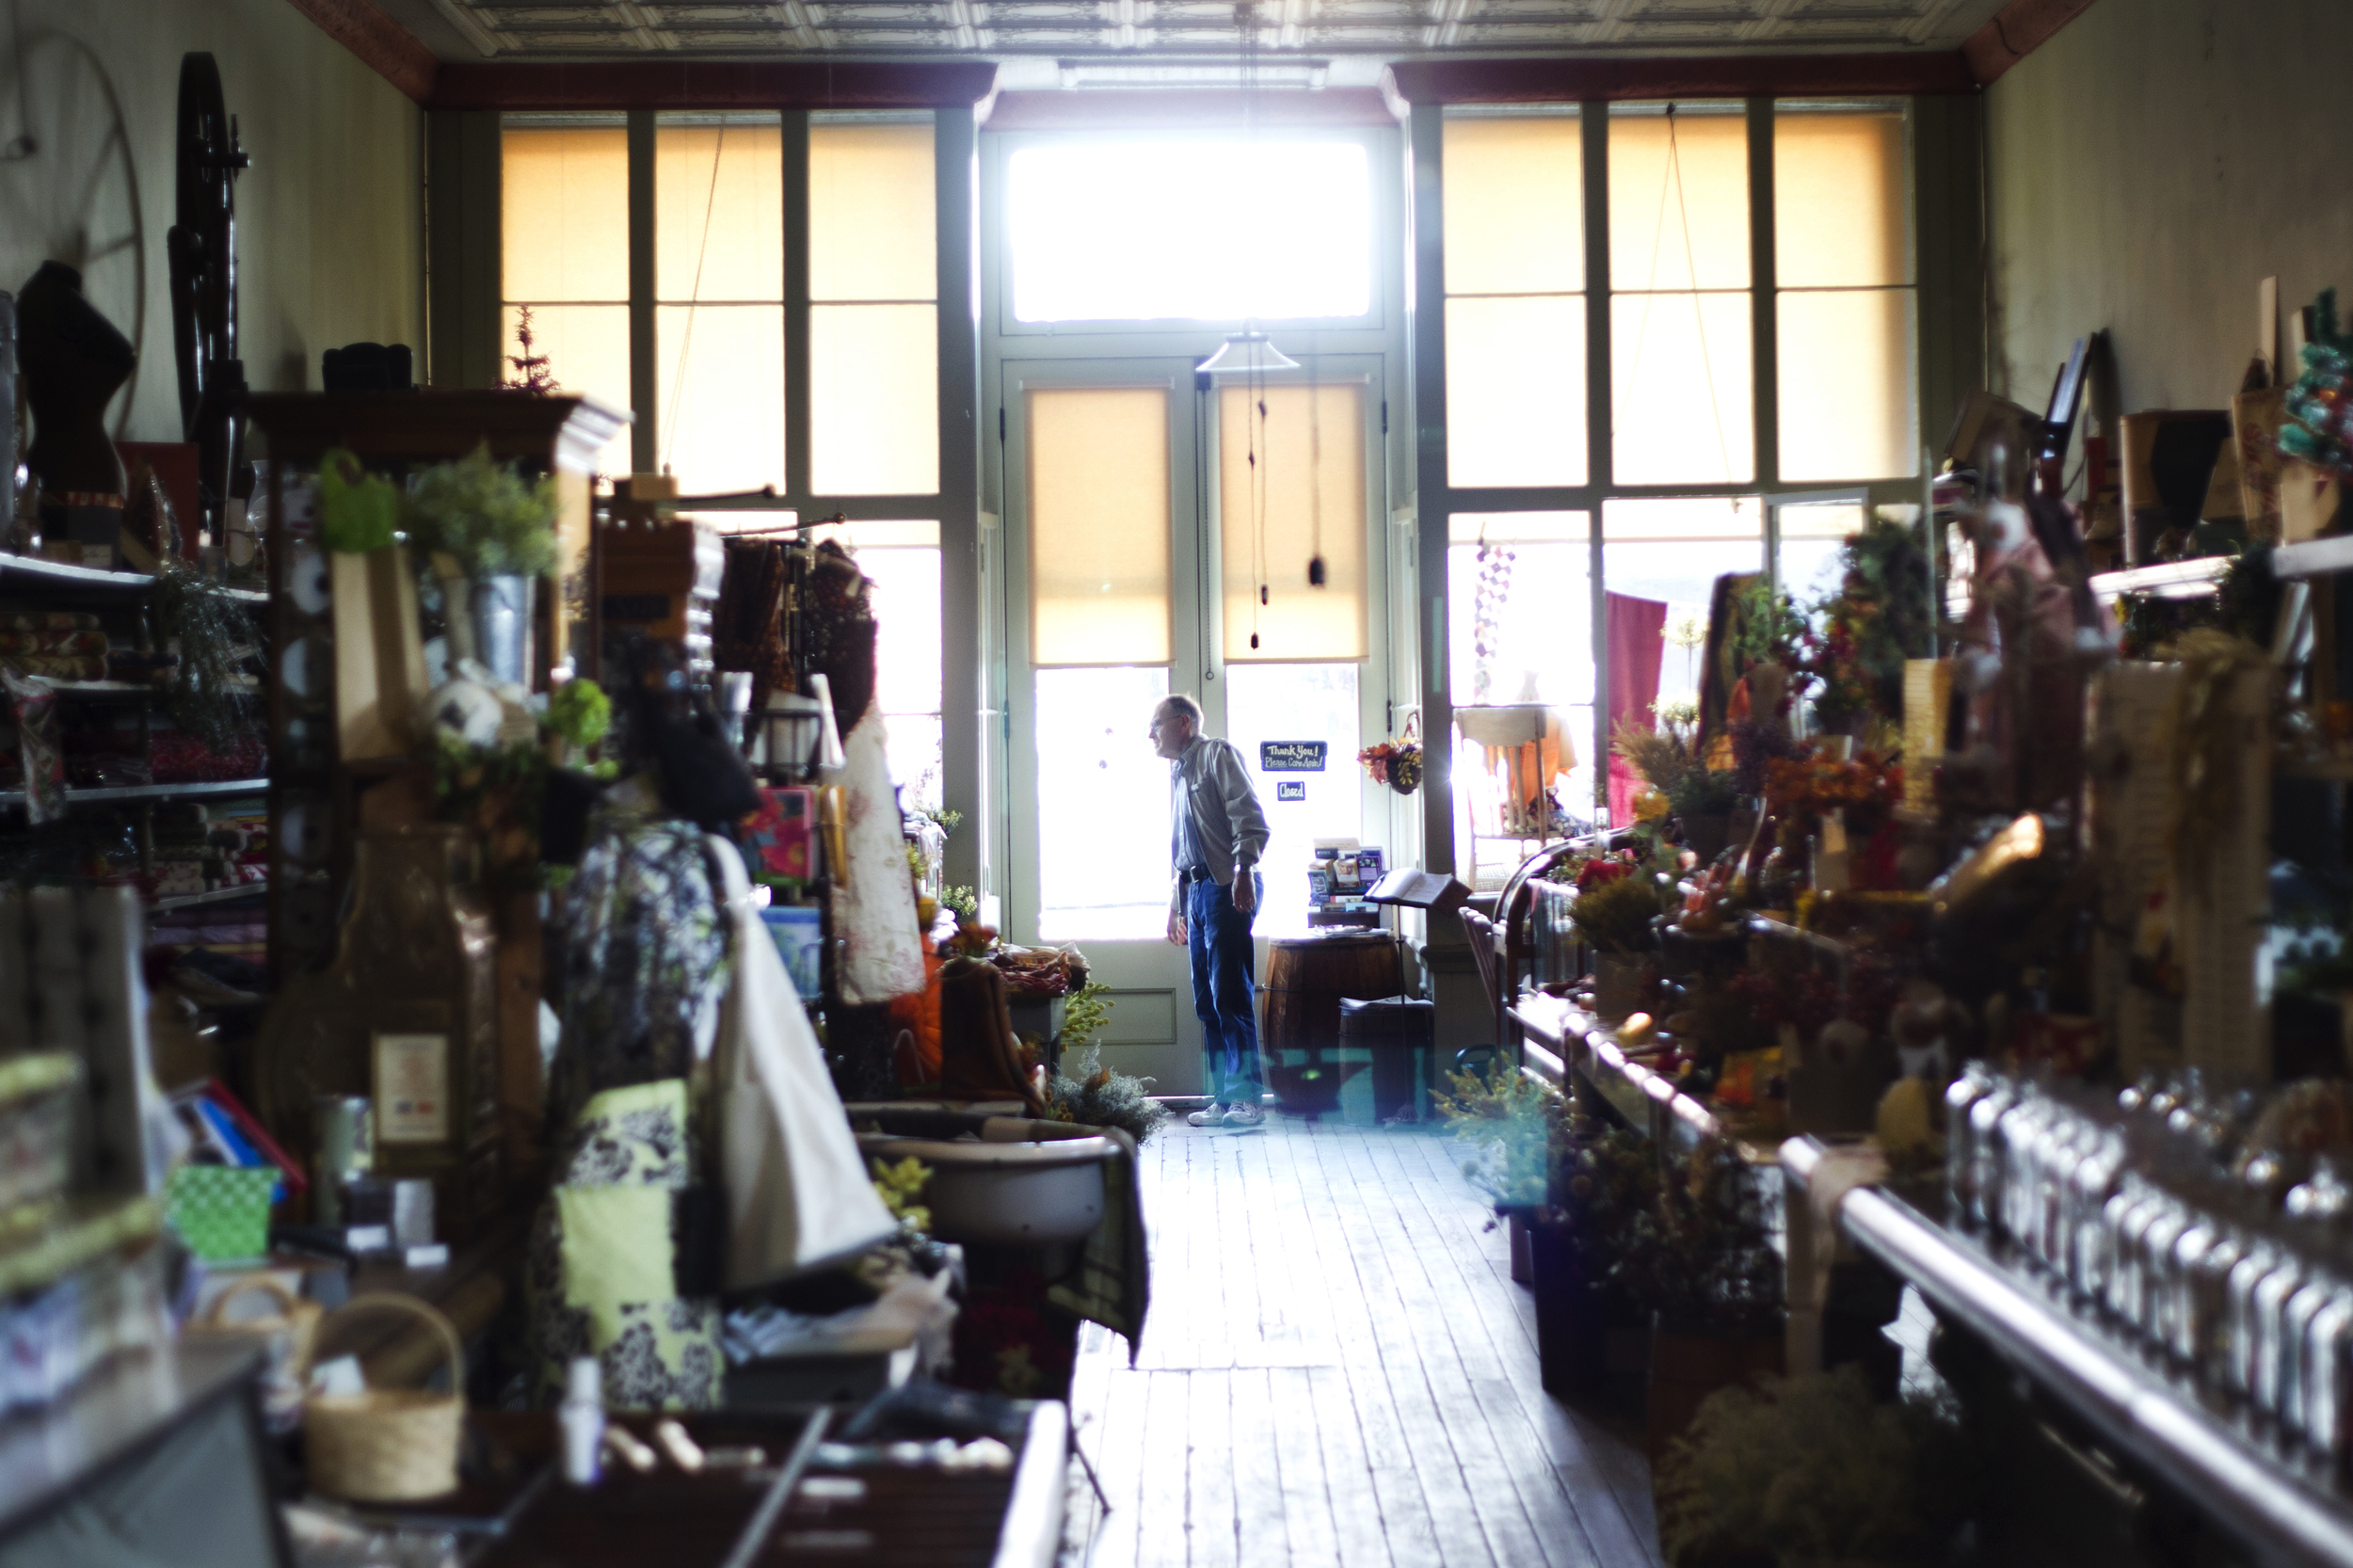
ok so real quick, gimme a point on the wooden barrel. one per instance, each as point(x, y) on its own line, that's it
point(1306, 977)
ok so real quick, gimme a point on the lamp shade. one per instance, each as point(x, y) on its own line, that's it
point(1245, 354)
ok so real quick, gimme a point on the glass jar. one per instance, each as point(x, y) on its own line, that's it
point(1960, 1097)
point(1985, 1154)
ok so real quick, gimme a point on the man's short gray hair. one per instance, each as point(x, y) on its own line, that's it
point(1181, 703)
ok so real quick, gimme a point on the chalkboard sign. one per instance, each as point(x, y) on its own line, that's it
point(1290, 789)
point(1292, 756)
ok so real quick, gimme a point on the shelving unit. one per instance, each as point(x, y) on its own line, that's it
point(218, 895)
point(2286, 1515)
point(117, 793)
point(55, 575)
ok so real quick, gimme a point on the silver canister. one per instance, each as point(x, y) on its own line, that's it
point(343, 1136)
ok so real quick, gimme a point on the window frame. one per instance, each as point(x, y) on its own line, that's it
point(1438, 500)
point(1375, 321)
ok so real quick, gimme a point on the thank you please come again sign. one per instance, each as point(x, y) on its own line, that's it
point(1292, 756)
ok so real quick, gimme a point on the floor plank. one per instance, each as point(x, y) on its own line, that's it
point(1338, 1370)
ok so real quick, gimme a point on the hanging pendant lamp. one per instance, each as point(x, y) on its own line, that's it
point(1246, 353)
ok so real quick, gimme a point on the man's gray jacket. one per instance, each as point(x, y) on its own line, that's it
point(1212, 783)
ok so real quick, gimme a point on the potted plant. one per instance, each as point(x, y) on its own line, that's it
point(1509, 1125)
point(1701, 1259)
point(1813, 1471)
point(1613, 915)
point(1605, 1176)
point(486, 532)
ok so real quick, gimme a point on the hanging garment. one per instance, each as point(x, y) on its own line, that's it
point(874, 897)
point(601, 1275)
point(1634, 630)
point(797, 1195)
point(644, 963)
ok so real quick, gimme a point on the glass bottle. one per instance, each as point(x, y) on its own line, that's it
point(2094, 1182)
point(1961, 1097)
point(406, 1016)
point(1985, 1154)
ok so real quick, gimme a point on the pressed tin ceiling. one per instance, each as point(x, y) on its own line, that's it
point(557, 29)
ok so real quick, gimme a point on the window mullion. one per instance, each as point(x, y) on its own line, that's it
point(1600, 412)
point(645, 373)
point(1764, 310)
point(797, 423)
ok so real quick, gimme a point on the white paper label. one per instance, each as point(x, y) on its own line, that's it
point(411, 1088)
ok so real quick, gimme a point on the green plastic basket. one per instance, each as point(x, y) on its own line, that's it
point(222, 1211)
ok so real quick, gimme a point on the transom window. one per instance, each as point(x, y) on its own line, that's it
point(1168, 228)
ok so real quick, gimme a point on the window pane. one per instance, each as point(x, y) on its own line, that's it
point(1308, 498)
point(1102, 805)
point(872, 213)
point(911, 743)
point(874, 399)
point(1673, 552)
point(1847, 386)
point(1098, 527)
point(1840, 216)
point(1679, 200)
point(906, 615)
point(1515, 390)
point(721, 395)
point(587, 347)
point(1806, 564)
point(1114, 230)
point(1514, 204)
point(1680, 364)
point(1519, 623)
point(718, 217)
point(564, 213)
point(1298, 703)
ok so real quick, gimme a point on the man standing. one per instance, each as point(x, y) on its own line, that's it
point(1216, 834)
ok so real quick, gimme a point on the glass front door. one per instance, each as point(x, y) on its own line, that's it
point(1159, 539)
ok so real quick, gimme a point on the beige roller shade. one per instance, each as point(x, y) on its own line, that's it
point(1098, 526)
point(1310, 463)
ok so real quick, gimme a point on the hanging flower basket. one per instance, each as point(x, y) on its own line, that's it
point(1396, 764)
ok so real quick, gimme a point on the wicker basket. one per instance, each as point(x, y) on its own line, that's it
point(388, 1444)
point(289, 1335)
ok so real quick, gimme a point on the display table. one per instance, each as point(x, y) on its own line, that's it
point(2230, 1473)
point(896, 1515)
point(1560, 1039)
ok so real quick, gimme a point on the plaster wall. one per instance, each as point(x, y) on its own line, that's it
point(330, 217)
point(2150, 164)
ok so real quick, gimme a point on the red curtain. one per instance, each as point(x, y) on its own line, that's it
point(1635, 629)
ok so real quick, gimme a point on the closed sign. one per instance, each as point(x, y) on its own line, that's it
point(1290, 789)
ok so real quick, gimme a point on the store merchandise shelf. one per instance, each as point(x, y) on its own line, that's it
point(58, 575)
point(217, 895)
point(1560, 1037)
point(48, 1454)
point(110, 794)
point(2165, 578)
point(2288, 1518)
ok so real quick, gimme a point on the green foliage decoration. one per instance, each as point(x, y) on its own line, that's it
point(484, 516)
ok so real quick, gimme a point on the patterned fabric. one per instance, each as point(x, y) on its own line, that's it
point(599, 1276)
point(646, 962)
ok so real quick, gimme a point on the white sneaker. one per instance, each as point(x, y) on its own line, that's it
point(1213, 1114)
point(1244, 1115)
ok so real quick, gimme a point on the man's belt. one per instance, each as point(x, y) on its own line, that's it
point(1196, 873)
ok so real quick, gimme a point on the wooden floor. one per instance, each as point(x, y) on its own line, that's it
point(1337, 1369)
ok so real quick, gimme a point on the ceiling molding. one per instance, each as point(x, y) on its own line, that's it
point(382, 44)
point(1569, 81)
point(2017, 30)
point(716, 84)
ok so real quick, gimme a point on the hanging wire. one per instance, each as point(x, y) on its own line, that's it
point(1316, 573)
point(686, 338)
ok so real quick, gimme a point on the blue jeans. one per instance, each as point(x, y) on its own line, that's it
point(1224, 990)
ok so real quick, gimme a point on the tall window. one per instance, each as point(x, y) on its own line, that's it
point(564, 254)
point(1681, 492)
point(717, 320)
point(1679, 303)
point(718, 233)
